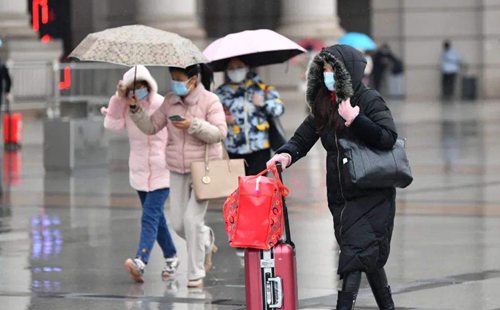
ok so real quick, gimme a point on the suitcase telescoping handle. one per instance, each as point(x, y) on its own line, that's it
point(288, 236)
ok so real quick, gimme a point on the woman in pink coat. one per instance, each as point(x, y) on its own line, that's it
point(195, 119)
point(149, 174)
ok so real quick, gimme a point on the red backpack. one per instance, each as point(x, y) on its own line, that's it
point(253, 214)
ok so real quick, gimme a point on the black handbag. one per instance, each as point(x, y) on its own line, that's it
point(368, 168)
point(276, 133)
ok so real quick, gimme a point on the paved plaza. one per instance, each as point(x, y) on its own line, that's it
point(63, 238)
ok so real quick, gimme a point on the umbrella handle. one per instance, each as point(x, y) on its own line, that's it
point(133, 86)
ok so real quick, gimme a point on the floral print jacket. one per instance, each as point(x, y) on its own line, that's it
point(250, 130)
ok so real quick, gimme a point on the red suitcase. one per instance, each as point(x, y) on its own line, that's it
point(271, 276)
point(12, 129)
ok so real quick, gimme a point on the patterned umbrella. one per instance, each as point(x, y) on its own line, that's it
point(138, 45)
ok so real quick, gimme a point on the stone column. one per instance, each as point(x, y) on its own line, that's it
point(176, 16)
point(311, 19)
point(490, 49)
point(302, 19)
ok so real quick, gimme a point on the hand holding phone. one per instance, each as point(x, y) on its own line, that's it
point(176, 118)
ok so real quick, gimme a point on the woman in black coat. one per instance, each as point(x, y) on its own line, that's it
point(342, 107)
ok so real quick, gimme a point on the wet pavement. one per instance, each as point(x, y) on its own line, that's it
point(63, 238)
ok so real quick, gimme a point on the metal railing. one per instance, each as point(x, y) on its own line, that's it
point(47, 85)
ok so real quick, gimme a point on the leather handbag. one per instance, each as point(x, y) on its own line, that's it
point(254, 213)
point(213, 179)
point(276, 133)
point(368, 168)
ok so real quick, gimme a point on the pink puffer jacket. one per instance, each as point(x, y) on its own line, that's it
point(147, 166)
point(186, 146)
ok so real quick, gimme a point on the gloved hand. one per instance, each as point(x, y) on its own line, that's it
point(9, 97)
point(104, 111)
point(348, 112)
point(284, 158)
point(121, 89)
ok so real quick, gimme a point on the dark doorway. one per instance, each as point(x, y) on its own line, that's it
point(355, 15)
point(221, 17)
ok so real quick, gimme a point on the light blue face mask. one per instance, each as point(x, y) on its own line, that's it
point(180, 88)
point(329, 80)
point(141, 93)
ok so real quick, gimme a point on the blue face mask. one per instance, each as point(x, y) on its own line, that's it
point(141, 93)
point(329, 80)
point(180, 88)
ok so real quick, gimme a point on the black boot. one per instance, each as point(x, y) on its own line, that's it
point(381, 290)
point(345, 301)
point(383, 297)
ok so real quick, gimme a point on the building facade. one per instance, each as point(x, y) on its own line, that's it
point(415, 30)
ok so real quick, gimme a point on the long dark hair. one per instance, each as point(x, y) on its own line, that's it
point(325, 110)
point(207, 75)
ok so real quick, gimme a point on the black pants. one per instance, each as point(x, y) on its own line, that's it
point(255, 162)
point(448, 85)
point(376, 279)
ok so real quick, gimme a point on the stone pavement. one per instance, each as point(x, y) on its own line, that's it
point(63, 238)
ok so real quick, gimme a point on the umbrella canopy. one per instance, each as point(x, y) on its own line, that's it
point(255, 47)
point(138, 44)
point(358, 40)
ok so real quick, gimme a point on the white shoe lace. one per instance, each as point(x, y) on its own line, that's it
point(171, 265)
point(140, 264)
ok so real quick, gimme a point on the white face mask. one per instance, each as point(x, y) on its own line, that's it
point(237, 75)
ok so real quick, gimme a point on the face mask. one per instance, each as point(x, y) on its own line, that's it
point(329, 80)
point(237, 75)
point(180, 88)
point(141, 93)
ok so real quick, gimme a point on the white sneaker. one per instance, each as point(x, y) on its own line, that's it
point(195, 283)
point(171, 266)
point(135, 267)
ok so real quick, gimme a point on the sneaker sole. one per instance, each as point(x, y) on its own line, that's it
point(167, 276)
point(135, 274)
point(208, 258)
point(197, 285)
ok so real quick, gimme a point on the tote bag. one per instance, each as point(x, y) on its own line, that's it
point(213, 179)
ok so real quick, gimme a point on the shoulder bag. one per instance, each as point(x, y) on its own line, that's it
point(213, 179)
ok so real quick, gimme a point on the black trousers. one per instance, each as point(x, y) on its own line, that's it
point(254, 162)
point(376, 279)
point(448, 85)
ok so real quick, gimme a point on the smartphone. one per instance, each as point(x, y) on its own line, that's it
point(176, 118)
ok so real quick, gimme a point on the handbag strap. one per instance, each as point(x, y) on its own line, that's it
point(277, 172)
point(277, 175)
point(288, 236)
point(225, 155)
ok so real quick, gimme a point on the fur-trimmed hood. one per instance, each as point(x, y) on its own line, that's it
point(142, 75)
point(348, 64)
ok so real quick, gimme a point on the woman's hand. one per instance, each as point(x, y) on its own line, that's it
point(230, 120)
point(257, 99)
point(284, 158)
point(348, 112)
point(184, 124)
point(121, 89)
point(132, 101)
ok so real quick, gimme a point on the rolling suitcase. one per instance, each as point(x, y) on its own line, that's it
point(469, 86)
point(271, 276)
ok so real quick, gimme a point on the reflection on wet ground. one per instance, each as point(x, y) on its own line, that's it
point(63, 237)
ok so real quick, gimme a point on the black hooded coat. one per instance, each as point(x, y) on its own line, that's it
point(363, 219)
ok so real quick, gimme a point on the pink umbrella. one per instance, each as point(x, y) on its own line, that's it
point(255, 47)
